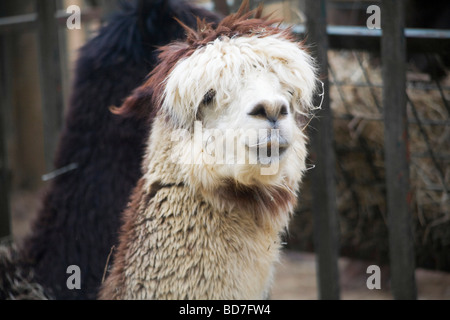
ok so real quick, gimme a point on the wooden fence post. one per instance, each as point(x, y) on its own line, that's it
point(401, 242)
point(5, 219)
point(322, 155)
point(51, 80)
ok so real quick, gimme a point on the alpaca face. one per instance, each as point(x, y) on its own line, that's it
point(243, 94)
point(256, 128)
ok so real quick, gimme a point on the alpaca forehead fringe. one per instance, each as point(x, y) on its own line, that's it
point(223, 64)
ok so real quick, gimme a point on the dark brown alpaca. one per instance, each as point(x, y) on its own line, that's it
point(79, 219)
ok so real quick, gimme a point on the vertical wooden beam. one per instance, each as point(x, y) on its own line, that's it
point(61, 5)
point(5, 218)
point(322, 155)
point(51, 82)
point(401, 242)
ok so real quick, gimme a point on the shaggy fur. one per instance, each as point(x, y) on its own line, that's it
point(195, 230)
point(16, 281)
point(79, 219)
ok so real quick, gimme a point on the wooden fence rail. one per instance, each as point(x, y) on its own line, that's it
point(392, 41)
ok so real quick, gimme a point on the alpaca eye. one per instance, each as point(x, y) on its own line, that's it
point(208, 97)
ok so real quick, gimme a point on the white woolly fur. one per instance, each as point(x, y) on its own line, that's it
point(222, 64)
point(188, 234)
point(242, 71)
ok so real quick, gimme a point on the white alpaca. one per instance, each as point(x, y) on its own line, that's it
point(202, 229)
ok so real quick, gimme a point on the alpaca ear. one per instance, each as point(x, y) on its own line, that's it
point(138, 104)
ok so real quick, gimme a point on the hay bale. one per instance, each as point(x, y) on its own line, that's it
point(360, 170)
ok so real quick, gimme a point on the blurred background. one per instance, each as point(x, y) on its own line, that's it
point(354, 73)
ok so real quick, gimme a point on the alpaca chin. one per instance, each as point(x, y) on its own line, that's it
point(271, 172)
point(269, 197)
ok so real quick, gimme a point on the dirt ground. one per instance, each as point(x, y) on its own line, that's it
point(295, 277)
point(296, 280)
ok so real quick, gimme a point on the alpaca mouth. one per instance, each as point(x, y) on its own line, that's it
point(272, 149)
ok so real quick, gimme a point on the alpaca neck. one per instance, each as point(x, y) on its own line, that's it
point(270, 205)
point(178, 244)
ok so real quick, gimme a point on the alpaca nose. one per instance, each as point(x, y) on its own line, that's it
point(271, 111)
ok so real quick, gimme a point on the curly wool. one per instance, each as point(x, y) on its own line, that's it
point(176, 245)
point(16, 281)
point(198, 231)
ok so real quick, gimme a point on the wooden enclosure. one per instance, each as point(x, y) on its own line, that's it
point(391, 43)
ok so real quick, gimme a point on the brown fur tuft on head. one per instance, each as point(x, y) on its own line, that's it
point(145, 101)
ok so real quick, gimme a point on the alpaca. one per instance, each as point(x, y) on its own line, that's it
point(197, 229)
point(79, 222)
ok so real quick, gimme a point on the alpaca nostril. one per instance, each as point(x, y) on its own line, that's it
point(270, 112)
point(258, 111)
